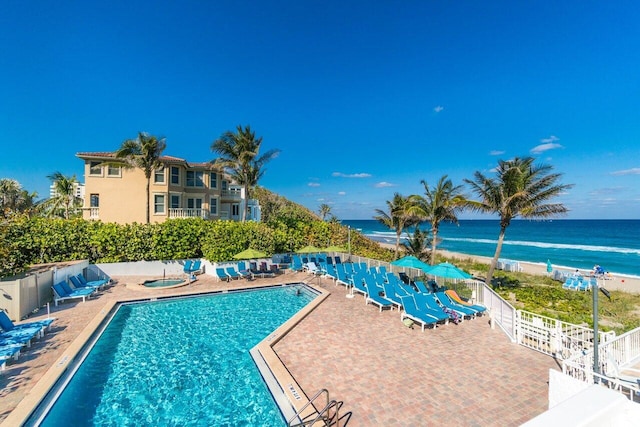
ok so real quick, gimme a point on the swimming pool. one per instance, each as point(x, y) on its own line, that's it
point(180, 361)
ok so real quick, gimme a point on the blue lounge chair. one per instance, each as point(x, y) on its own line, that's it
point(391, 294)
point(8, 351)
point(427, 303)
point(7, 325)
point(75, 281)
point(373, 296)
point(100, 282)
point(447, 302)
point(222, 275)
point(232, 273)
point(63, 292)
point(187, 266)
point(480, 309)
point(411, 311)
point(357, 284)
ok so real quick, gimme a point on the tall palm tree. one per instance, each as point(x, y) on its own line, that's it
point(398, 217)
point(14, 199)
point(64, 198)
point(520, 188)
point(440, 203)
point(143, 153)
point(324, 210)
point(239, 156)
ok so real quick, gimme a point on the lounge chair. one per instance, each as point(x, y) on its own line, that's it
point(187, 266)
point(232, 273)
point(63, 292)
point(428, 304)
point(456, 298)
point(265, 271)
point(274, 269)
point(7, 325)
point(8, 351)
point(411, 311)
point(391, 295)
point(357, 284)
point(312, 268)
point(373, 296)
point(613, 370)
point(222, 275)
point(75, 281)
point(195, 268)
point(446, 302)
point(100, 282)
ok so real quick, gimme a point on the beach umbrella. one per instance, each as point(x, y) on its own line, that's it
point(309, 250)
point(411, 262)
point(334, 248)
point(250, 254)
point(549, 267)
point(448, 271)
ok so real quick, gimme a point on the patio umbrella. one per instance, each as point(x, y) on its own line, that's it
point(334, 248)
point(411, 262)
point(250, 254)
point(447, 271)
point(309, 250)
point(549, 267)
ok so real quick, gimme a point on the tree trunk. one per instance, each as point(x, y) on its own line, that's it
point(494, 261)
point(398, 233)
point(433, 245)
point(148, 199)
point(243, 215)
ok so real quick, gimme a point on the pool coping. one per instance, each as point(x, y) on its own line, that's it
point(34, 397)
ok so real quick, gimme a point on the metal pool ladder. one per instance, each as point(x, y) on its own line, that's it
point(326, 416)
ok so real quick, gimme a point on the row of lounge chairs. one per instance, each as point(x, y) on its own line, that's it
point(82, 289)
point(14, 338)
point(424, 304)
point(579, 283)
point(240, 271)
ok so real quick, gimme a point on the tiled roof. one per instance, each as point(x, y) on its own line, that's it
point(168, 159)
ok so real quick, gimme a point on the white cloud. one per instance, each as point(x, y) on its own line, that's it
point(313, 184)
point(342, 193)
point(549, 143)
point(632, 171)
point(438, 108)
point(383, 184)
point(496, 152)
point(351, 175)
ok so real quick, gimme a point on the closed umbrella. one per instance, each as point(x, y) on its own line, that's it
point(250, 254)
point(549, 267)
point(448, 271)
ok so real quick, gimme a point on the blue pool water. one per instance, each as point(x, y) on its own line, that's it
point(180, 362)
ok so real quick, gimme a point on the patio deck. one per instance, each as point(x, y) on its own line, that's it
point(386, 373)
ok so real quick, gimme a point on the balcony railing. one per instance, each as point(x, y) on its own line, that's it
point(188, 213)
point(232, 193)
point(94, 213)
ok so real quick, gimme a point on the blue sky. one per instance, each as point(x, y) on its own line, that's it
point(363, 99)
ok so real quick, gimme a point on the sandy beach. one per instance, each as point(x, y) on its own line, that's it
point(624, 283)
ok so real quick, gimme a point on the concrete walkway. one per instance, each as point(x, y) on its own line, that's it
point(386, 373)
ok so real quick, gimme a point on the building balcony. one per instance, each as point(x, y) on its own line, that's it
point(188, 213)
point(232, 194)
point(94, 213)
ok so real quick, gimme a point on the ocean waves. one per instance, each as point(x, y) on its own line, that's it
point(547, 245)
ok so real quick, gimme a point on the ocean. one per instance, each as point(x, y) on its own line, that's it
point(571, 244)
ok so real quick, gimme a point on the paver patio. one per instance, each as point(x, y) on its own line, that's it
point(386, 373)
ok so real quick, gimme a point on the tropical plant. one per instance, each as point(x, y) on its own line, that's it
point(324, 210)
point(14, 199)
point(239, 156)
point(398, 218)
point(143, 153)
point(439, 203)
point(520, 188)
point(64, 201)
point(417, 244)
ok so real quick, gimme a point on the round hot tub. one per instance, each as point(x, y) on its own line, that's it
point(163, 283)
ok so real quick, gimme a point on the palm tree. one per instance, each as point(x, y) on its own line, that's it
point(398, 217)
point(239, 156)
point(324, 210)
point(14, 199)
point(417, 244)
point(520, 188)
point(143, 153)
point(440, 203)
point(64, 197)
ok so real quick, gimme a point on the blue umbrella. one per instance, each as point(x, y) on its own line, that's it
point(447, 271)
point(411, 262)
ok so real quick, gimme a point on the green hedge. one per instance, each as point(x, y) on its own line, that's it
point(28, 241)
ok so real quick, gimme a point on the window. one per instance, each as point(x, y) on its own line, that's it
point(175, 201)
point(113, 170)
point(94, 201)
point(158, 175)
point(95, 168)
point(235, 209)
point(213, 206)
point(194, 179)
point(158, 203)
point(213, 180)
point(193, 203)
point(175, 175)
point(225, 185)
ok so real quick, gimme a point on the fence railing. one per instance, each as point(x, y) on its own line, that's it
point(188, 213)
